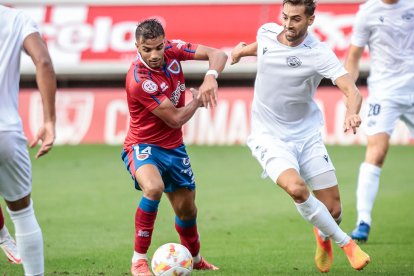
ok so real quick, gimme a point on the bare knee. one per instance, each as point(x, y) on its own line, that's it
point(335, 211)
point(186, 213)
point(153, 192)
point(298, 191)
point(377, 149)
point(330, 198)
point(376, 156)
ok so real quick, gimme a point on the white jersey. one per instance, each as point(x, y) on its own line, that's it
point(286, 81)
point(388, 30)
point(14, 28)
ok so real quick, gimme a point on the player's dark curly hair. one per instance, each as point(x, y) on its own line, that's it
point(310, 5)
point(149, 29)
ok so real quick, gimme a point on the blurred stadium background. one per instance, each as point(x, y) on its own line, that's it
point(83, 195)
point(92, 45)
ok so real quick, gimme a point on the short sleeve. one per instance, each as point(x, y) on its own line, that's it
point(26, 26)
point(328, 64)
point(181, 50)
point(360, 31)
point(147, 93)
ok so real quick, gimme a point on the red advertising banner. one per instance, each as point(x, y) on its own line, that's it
point(101, 116)
point(95, 39)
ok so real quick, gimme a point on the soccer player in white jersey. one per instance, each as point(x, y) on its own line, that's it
point(18, 32)
point(286, 122)
point(387, 27)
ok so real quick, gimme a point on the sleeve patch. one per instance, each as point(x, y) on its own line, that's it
point(149, 86)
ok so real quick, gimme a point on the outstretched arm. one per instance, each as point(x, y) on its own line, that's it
point(46, 82)
point(353, 104)
point(207, 92)
point(243, 50)
point(352, 61)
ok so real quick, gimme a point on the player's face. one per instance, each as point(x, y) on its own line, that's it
point(152, 51)
point(296, 23)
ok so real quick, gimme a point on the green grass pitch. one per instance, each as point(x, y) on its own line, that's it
point(85, 203)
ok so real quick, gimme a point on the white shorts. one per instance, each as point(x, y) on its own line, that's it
point(382, 114)
point(15, 166)
point(308, 157)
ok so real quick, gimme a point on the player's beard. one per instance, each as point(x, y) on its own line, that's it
point(299, 36)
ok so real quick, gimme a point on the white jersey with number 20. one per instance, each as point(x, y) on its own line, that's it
point(388, 30)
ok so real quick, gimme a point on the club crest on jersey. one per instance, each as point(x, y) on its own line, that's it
point(293, 61)
point(174, 67)
point(149, 86)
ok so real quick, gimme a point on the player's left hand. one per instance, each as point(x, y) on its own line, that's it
point(352, 122)
point(207, 93)
point(46, 134)
point(195, 96)
point(235, 53)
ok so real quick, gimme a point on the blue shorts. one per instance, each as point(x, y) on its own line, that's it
point(173, 165)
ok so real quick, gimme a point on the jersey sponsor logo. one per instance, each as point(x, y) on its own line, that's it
point(174, 67)
point(175, 96)
point(149, 86)
point(293, 61)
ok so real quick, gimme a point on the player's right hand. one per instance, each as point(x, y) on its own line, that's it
point(207, 92)
point(235, 53)
point(46, 134)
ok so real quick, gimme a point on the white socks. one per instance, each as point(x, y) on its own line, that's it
point(368, 183)
point(197, 258)
point(4, 233)
point(29, 240)
point(337, 220)
point(317, 214)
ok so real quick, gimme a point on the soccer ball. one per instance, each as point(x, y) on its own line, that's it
point(172, 259)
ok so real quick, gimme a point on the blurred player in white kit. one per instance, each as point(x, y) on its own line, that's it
point(387, 27)
point(18, 32)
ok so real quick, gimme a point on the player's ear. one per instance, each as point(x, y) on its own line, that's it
point(311, 19)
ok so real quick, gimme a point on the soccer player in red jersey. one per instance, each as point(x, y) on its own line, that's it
point(154, 152)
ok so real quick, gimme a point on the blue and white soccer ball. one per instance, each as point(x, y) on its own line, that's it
point(172, 259)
